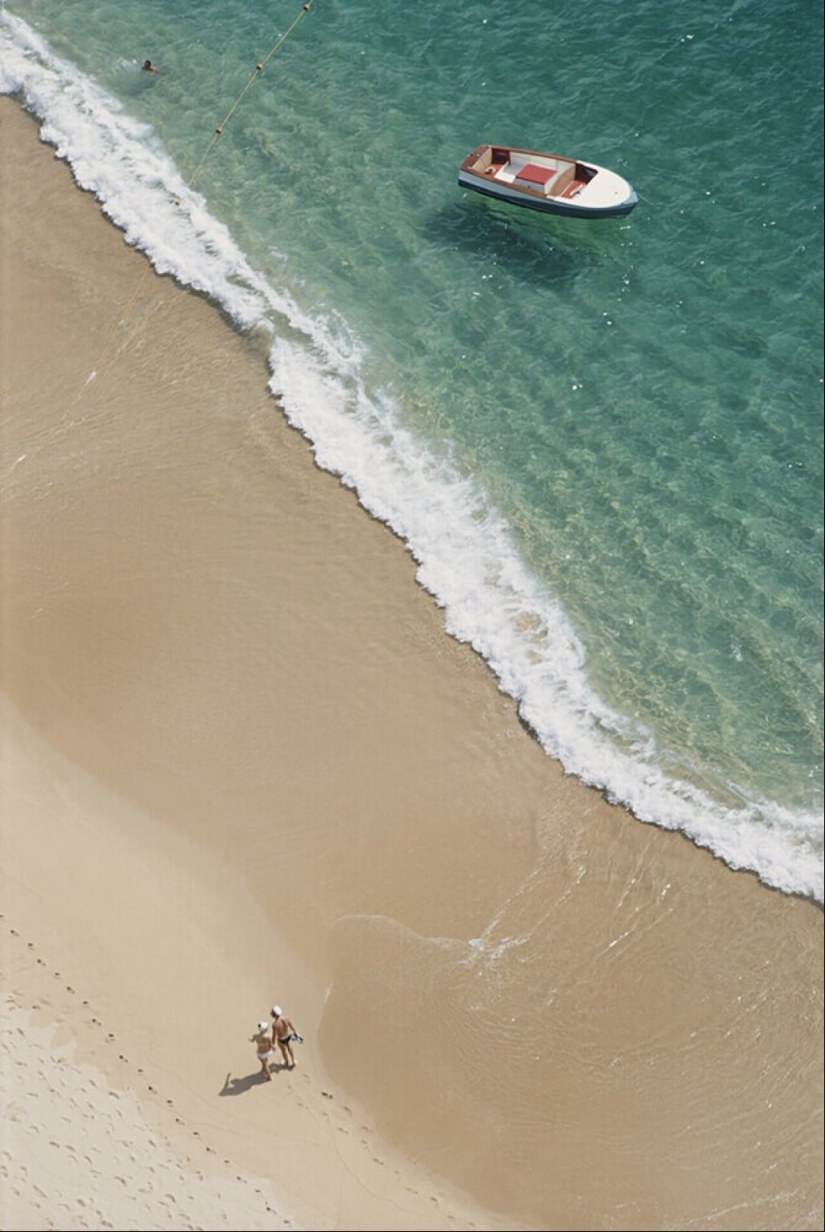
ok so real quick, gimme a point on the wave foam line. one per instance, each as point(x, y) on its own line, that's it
point(465, 553)
point(468, 562)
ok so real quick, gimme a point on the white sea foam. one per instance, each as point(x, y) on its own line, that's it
point(468, 562)
point(465, 553)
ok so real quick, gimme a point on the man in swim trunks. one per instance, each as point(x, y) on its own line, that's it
point(263, 1048)
point(282, 1032)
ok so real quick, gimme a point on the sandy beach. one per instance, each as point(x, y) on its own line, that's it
point(242, 762)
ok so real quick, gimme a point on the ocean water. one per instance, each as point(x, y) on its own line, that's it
point(602, 441)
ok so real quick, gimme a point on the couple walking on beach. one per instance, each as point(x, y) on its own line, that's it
point(282, 1033)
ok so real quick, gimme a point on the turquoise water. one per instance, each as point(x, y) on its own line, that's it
point(602, 441)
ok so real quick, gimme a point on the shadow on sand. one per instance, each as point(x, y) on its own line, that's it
point(238, 1086)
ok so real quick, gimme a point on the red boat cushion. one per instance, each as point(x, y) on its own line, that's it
point(535, 175)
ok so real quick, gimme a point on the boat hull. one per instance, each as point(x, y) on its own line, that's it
point(547, 183)
point(550, 206)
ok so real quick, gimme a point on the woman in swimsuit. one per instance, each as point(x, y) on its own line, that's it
point(263, 1047)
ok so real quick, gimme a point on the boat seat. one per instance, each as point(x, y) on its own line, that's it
point(537, 177)
point(482, 163)
point(574, 188)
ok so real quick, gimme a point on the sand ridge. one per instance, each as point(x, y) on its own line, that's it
point(110, 1121)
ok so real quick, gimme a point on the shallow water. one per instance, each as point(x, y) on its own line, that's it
point(603, 442)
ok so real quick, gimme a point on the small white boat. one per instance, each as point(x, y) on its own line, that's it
point(546, 182)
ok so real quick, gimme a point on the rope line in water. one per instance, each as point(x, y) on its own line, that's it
point(259, 68)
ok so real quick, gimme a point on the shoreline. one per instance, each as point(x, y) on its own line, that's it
point(225, 682)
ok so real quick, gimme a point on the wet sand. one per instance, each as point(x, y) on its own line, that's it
point(243, 762)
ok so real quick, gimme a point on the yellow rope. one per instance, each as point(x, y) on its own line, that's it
point(109, 338)
point(259, 68)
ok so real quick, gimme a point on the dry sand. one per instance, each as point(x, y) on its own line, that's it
point(242, 762)
point(78, 1153)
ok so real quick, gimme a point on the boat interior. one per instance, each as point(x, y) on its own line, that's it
point(544, 175)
